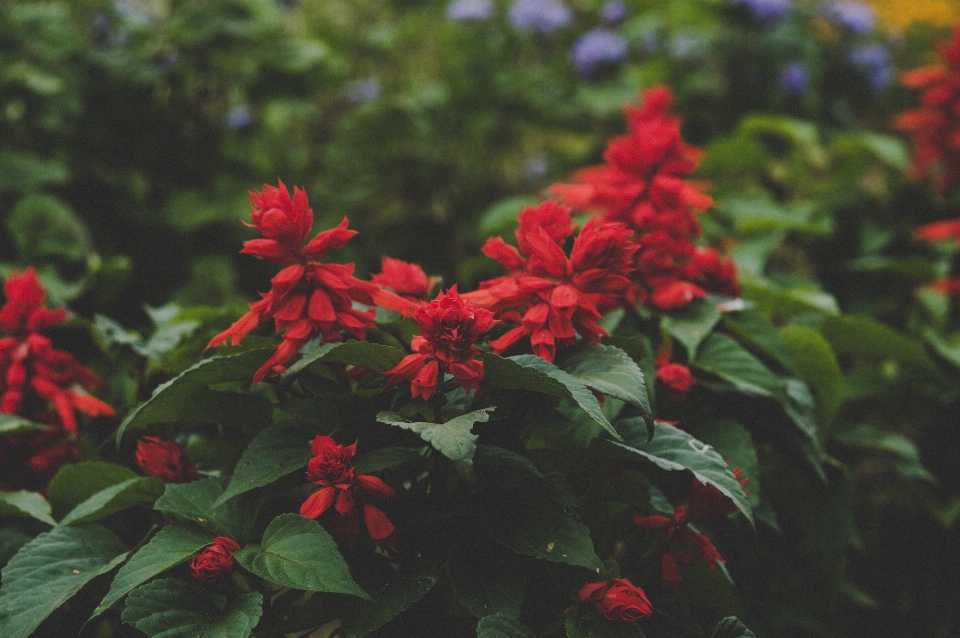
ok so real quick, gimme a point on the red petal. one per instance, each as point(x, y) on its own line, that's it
point(373, 485)
point(378, 525)
point(318, 502)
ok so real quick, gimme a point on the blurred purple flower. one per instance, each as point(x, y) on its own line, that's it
point(363, 90)
point(535, 167)
point(470, 9)
point(542, 16)
point(596, 47)
point(794, 78)
point(239, 117)
point(613, 12)
point(767, 9)
point(857, 17)
point(875, 59)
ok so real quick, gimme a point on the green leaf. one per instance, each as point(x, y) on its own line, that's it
point(26, 504)
point(400, 592)
point(44, 227)
point(49, 570)
point(172, 608)
point(23, 172)
point(187, 397)
point(588, 624)
point(366, 354)
point(487, 579)
point(610, 371)
point(501, 217)
point(297, 552)
point(887, 148)
point(502, 626)
point(816, 364)
point(75, 483)
point(453, 438)
point(760, 336)
point(275, 452)
point(691, 324)
point(731, 627)
point(727, 359)
point(386, 457)
point(530, 372)
point(195, 502)
point(12, 424)
point(170, 546)
point(142, 489)
point(673, 449)
point(735, 445)
point(867, 338)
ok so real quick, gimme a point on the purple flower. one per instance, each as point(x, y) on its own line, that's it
point(856, 17)
point(239, 117)
point(767, 9)
point(363, 90)
point(542, 16)
point(596, 47)
point(875, 59)
point(470, 9)
point(794, 78)
point(613, 11)
point(535, 167)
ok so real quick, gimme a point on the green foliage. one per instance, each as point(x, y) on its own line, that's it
point(452, 438)
point(170, 607)
point(501, 626)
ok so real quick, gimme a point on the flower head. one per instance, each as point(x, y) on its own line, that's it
point(794, 78)
point(214, 560)
point(767, 10)
point(166, 460)
point(596, 47)
point(541, 16)
point(613, 11)
point(875, 60)
point(407, 280)
point(618, 600)
point(470, 9)
point(856, 17)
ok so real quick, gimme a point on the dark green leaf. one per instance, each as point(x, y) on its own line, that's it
point(727, 359)
point(74, 484)
point(691, 324)
point(816, 364)
point(487, 579)
point(275, 452)
point(673, 449)
point(385, 458)
point(734, 443)
point(195, 502)
point(453, 438)
point(142, 489)
point(24, 173)
point(731, 627)
point(502, 626)
point(44, 226)
point(171, 546)
point(184, 609)
point(361, 617)
point(27, 504)
point(366, 354)
point(587, 624)
point(50, 569)
point(12, 424)
point(297, 552)
point(867, 338)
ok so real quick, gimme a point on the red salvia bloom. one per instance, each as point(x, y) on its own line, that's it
point(644, 184)
point(934, 127)
point(618, 600)
point(332, 469)
point(549, 297)
point(214, 560)
point(676, 377)
point(407, 280)
point(449, 328)
point(166, 460)
point(306, 299)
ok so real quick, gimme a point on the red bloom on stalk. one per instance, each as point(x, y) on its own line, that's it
point(618, 600)
point(644, 184)
point(549, 297)
point(934, 127)
point(449, 328)
point(407, 280)
point(332, 469)
point(214, 560)
point(166, 460)
point(676, 377)
point(306, 299)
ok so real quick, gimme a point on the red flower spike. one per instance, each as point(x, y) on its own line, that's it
point(214, 560)
point(166, 460)
point(407, 280)
point(618, 600)
point(677, 378)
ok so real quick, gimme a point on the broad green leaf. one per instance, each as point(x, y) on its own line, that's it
point(502, 626)
point(727, 359)
point(171, 608)
point(27, 504)
point(297, 552)
point(168, 331)
point(487, 579)
point(26, 172)
point(776, 302)
point(731, 627)
point(11, 540)
point(691, 324)
point(816, 364)
point(391, 598)
point(610, 371)
point(187, 397)
point(673, 449)
point(12, 424)
point(453, 438)
point(171, 546)
point(530, 372)
point(75, 483)
point(44, 227)
point(195, 502)
point(887, 148)
point(275, 452)
point(587, 624)
point(901, 451)
point(142, 489)
point(49, 570)
point(735, 445)
point(386, 457)
point(366, 354)
point(867, 338)
point(760, 336)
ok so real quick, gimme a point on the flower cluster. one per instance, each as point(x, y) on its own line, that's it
point(618, 600)
point(449, 328)
point(214, 560)
point(35, 377)
point(644, 185)
point(407, 280)
point(551, 298)
point(934, 127)
point(675, 539)
point(165, 460)
point(307, 298)
point(332, 469)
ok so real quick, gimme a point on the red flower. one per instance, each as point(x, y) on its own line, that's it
point(618, 600)
point(407, 280)
point(306, 299)
point(934, 127)
point(332, 469)
point(449, 328)
point(165, 460)
point(677, 378)
point(214, 559)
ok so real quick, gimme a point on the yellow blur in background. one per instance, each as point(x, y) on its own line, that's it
point(900, 13)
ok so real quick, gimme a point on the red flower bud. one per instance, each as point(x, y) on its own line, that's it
point(165, 459)
point(618, 601)
point(214, 559)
